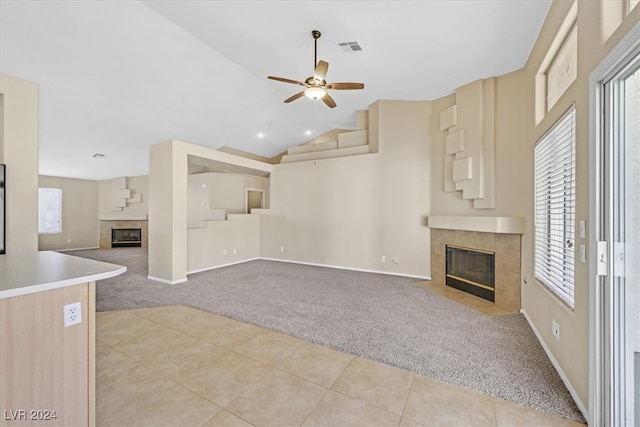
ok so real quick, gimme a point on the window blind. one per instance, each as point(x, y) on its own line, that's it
point(555, 208)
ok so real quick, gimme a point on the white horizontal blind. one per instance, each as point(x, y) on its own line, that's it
point(555, 207)
point(49, 210)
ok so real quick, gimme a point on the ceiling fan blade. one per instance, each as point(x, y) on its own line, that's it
point(282, 79)
point(294, 97)
point(344, 86)
point(327, 99)
point(321, 70)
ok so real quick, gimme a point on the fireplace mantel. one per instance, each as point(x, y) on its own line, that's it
point(123, 217)
point(485, 224)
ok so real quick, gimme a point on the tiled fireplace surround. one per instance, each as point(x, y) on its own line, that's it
point(107, 225)
point(507, 261)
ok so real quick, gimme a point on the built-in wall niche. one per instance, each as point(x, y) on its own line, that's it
point(254, 199)
point(212, 196)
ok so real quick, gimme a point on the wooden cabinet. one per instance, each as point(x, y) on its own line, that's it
point(47, 371)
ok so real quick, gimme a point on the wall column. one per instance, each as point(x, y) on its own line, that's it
point(168, 171)
point(19, 151)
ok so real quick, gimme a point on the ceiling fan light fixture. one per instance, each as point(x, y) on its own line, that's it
point(315, 92)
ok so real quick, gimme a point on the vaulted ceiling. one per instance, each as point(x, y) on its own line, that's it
point(118, 76)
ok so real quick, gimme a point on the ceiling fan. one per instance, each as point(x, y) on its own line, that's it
point(316, 85)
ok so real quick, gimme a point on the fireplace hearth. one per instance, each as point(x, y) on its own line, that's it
point(471, 271)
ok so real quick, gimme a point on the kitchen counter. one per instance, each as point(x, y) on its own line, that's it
point(22, 274)
point(47, 334)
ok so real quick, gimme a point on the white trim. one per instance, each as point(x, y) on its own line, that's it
point(556, 365)
point(338, 267)
point(166, 282)
point(606, 69)
point(362, 270)
point(222, 265)
point(484, 224)
point(76, 249)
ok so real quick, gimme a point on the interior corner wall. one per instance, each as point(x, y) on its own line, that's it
point(20, 154)
point(80, 227)
point(350, 211)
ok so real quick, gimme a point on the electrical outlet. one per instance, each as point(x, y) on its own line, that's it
point(68, 240)
point(224, 252)
point(555, 329)
point(395, 260)
point(235, 251)
point(72, 314)
point(281, 248)
point(383, 258)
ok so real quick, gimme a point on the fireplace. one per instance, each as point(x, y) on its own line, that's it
point(471, 271)
point(126, 237)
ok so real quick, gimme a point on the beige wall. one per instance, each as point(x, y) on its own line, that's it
point(19, 135)
point(223, 242)
point(600, 27)
point(351, 211)
point(110, 192)
point(79, 215)
point(228, 190)
point(511, 170)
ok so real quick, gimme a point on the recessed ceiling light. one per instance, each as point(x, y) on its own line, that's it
point(307, 132)
point(261, 135)
point(98, 156)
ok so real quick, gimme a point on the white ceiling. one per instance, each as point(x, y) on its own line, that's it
point(118, 76)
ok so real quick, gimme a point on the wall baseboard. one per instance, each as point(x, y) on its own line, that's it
point(166, 282)
point(339, 267)
point(75, 249)
point(222, 265)
point(556, 365)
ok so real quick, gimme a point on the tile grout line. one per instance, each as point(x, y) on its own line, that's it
point(406, 402)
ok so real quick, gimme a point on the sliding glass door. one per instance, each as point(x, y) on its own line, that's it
point(618, 258)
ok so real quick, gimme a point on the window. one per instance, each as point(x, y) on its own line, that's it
point(555, 207)
point(558, 68)
point(563, 69)
point(49, 210)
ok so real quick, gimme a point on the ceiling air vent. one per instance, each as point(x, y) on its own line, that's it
point(98, 156)
point(350, 47)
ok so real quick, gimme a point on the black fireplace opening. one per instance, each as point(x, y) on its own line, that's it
point(472, 271)
point(126, 237)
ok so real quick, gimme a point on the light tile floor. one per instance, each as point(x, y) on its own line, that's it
point(179, 366)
